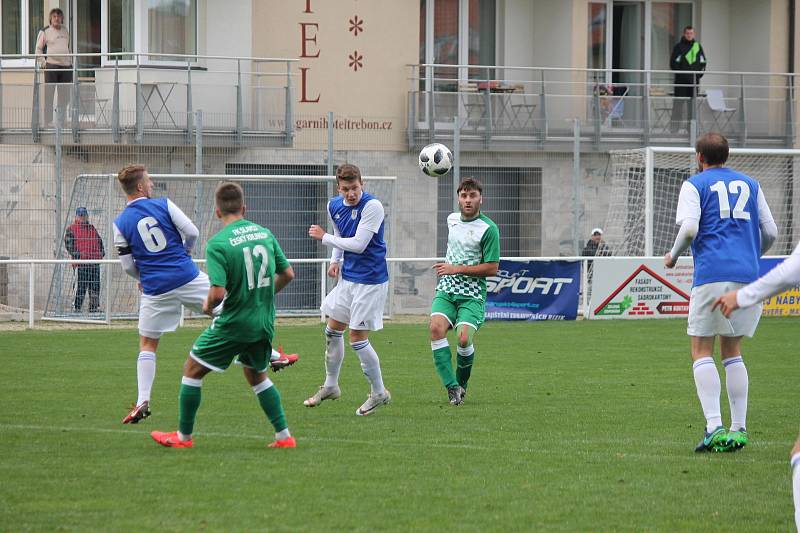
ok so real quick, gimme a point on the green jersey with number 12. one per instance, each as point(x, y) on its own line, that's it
point(244, 258)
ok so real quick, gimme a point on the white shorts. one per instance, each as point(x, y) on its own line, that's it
point(162, 313)
point(357, 305)
point(706, 323)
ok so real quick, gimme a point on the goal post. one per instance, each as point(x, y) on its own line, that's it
point(645, 184)
point(285, 204)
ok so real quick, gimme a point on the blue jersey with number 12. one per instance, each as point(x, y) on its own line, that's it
point(728, 243)
point(156, 246)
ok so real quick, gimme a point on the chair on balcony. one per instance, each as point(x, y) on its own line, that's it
point(720, 112)
point(92, 108)
point(613, 105)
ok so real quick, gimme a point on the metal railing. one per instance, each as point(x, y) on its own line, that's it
point(132, 96)
point(494, 103)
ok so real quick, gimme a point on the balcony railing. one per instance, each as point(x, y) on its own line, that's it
point(141, 98)
point(539, 106)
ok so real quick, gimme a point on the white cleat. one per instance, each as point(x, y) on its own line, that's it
point(373, 402)
point(324, 393)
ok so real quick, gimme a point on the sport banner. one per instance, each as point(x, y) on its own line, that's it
point(534, 290)
point(784, 304)
point(640, 288)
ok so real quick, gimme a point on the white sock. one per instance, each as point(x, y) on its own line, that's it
point(706, 379)
point(274, 355)
point(796, 488)
point(334, 355)
point(145, 375)
point(737, 383)
point(370, 365)
point(283, 434)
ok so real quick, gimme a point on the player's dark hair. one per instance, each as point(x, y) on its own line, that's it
point(470, 184)
point(348, 172)
point(687, 28)
point(130, 176)
point(713, 147)
point(230, 198)
point(55, 11)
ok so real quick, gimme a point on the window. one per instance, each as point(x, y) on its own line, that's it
point(37, 19)
point(21, 22)
point(172, 27)
point(12, 27)
point(461, 32)
point(512, 197)
point(121, 24)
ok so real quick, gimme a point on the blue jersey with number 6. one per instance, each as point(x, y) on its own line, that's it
point(156, 246)
point(728, 242)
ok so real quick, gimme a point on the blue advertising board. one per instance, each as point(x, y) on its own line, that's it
point(534, 290)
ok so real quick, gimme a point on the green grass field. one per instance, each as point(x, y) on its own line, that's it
point(577, 426)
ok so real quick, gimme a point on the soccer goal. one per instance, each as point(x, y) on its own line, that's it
point(646, 182)
point(287, 205)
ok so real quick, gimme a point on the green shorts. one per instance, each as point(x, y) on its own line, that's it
point(459, 309)
point(215, 351)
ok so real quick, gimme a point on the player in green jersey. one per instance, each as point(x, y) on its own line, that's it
point(473, 254)
point(246, 268)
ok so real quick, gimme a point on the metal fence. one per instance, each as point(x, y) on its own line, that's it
point(139, 97)
point(536, 106)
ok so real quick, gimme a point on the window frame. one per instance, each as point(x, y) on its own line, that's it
point(463, 39)
point(20, 62)
point(648, 29)
point(140, 38)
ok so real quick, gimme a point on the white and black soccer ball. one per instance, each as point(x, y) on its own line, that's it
point(436, 160)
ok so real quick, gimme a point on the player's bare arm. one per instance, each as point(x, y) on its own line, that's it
point(283, 278)
point(483, 270)
point(215, 296)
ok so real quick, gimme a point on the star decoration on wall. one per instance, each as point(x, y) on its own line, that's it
point(355, 61)
point(356, 25)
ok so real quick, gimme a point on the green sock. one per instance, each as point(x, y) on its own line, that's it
point(443, 360)
point(270, 400)
point(189, 401)
point(464, 367)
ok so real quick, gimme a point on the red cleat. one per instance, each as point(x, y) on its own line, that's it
point(170, 440)
point(288, 442)
point(285, 360)
point(137, 413)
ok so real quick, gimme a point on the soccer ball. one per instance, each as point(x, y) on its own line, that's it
point(436, 160)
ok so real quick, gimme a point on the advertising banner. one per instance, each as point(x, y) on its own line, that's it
point(784, 304)
point(637, 288)
point(534, 290)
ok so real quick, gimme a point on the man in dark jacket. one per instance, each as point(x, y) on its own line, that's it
point(689, 59)
point(83, 242)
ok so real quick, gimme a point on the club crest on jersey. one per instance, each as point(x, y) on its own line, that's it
point(354, 214)
point(336, 216)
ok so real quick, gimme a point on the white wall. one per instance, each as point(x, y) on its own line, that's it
point(713, 22)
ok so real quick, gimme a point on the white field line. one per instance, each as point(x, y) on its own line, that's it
point(389, 443)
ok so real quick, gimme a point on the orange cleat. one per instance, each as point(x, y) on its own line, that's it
point(285, 360)
point(288, 442)
point(170, 440)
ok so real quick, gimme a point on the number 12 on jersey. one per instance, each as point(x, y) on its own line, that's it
point(263, 280)
point(735, 187)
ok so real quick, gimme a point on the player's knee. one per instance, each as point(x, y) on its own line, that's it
point(438, 331)
point(463, 337)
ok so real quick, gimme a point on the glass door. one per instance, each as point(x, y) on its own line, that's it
point(87, 35)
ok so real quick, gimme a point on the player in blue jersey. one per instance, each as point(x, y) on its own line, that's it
point(154, 239)
point(724, 217)
point(358, 300)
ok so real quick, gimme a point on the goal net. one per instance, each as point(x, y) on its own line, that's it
point(287, 205)
point(645, 184)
